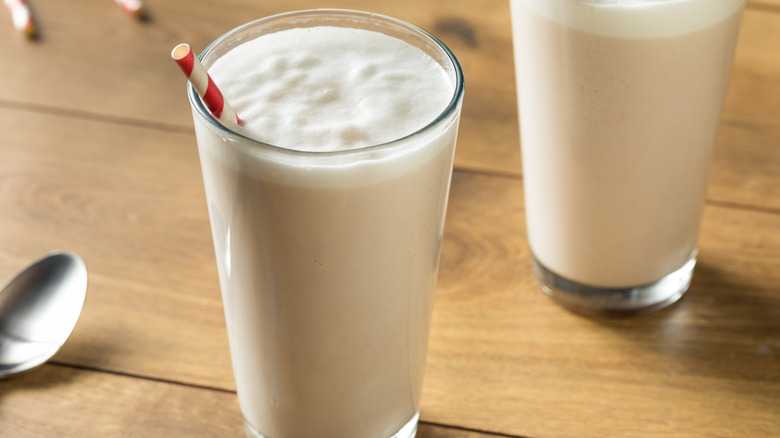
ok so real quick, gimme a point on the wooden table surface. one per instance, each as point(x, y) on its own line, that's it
point(98, 156)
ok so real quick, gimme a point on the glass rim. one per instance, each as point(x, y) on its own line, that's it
point(453, 106)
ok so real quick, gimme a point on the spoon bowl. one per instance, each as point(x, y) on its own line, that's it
point(39, 308)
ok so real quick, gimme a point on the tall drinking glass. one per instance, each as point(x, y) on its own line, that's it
point(619, 104)
point(328, 260)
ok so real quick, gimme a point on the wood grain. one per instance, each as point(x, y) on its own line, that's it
point(62, 401)
point(767, 5)
point(751, 119)
point(121, 406)
point(130, 201)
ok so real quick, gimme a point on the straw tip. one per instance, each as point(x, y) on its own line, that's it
point(30, 32)
point(180, 51)
point(28, 29)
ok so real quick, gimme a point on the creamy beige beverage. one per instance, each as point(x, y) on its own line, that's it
point(328, 248)
point(619, 103)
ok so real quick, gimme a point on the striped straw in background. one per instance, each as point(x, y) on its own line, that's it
point(132, 7)
point(21, 17)
point(204, 85)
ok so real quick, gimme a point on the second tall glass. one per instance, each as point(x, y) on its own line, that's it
point(619, 105)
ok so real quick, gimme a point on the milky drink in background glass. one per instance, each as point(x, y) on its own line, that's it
point(327, 209)
point(619, 104)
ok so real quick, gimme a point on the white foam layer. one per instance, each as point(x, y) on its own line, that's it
point(331, 88)
point(634, 18)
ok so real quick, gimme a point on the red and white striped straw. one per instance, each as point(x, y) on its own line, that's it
point(204, 85)
point(132, 7)
point(21, 16)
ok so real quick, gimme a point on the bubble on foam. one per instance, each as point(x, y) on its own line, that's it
point(328, 88)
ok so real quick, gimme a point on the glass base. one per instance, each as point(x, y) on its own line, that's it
point(408, 431)
point(629, 301)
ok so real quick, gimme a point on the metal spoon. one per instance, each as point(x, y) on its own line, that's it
point(38, 309)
